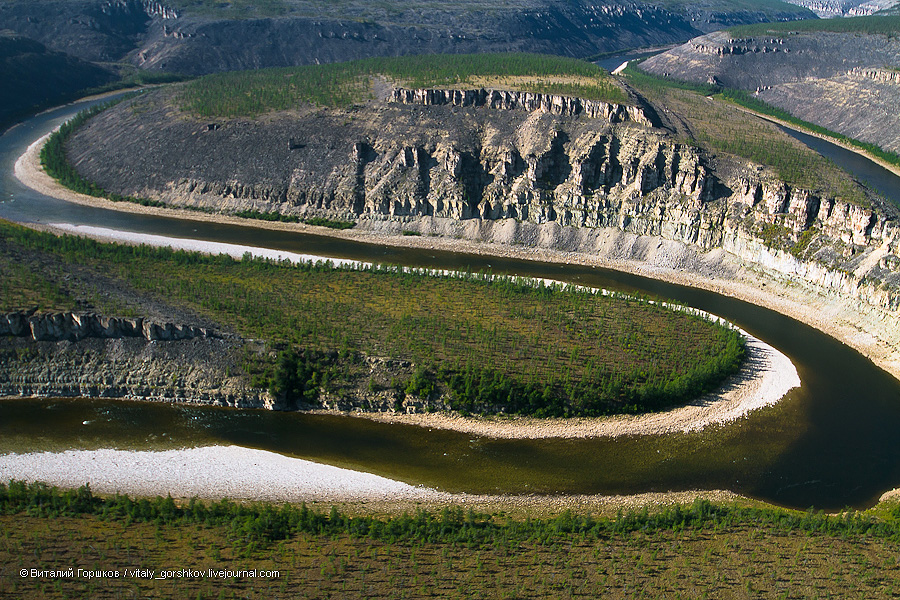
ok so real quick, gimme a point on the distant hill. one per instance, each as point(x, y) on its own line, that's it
point(203, 36)
point(827, 9)
point(841, 74)
point(33, 76)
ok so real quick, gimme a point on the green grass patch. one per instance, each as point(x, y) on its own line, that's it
point(499, 345)
point(690, 551)
point(252, 93)
point(267, 523)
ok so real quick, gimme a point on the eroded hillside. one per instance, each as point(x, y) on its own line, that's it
point(433, 157)
point(840, 76)
point(194, 37)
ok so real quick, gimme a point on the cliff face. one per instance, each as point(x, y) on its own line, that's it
point(461, 161)
point(201, 370)
point(835, 80)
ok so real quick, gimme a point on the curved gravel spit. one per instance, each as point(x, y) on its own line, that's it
point(244, 474)
point(207, 472)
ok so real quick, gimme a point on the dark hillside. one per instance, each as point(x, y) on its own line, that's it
point(198, 37)
point(33, 76)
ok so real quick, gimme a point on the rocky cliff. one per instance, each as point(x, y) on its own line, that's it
point(202, 370)
point(842, 81)
point(531, 101)
point(69, 326)
point(444, 163)
point(236, 36)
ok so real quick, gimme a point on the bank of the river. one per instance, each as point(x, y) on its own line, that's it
point(766, 377)
point(895, 169)
point(872, 332)
point(244, 474)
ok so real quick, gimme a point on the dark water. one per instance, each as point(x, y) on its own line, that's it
point(873, 175)
point(830, 444)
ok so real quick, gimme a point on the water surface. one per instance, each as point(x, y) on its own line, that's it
point(830, 444)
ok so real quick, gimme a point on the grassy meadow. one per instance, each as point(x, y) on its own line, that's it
point(253, 93)
point(700, 550)
point(497, 344)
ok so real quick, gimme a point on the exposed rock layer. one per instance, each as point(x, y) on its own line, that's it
point(530, 101)
point(76, 326)
point(845, 82)
point(396, 161)
point(200, 370)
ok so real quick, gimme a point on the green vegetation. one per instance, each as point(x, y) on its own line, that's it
point(265, 522)
point(719, 126)
point(689, 551)
point(747, 100)
point(497, 344)
point(251, 93)
point(875, 25)
point(55, 163)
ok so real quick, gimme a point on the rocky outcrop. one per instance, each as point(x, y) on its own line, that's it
point(198, 370)
point(151, 8)
point(531, 101)
point(882, 75)
point(76, 326)
point(828, 9)
point(457, 159)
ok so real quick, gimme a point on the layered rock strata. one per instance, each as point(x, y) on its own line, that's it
point(198, 370)
point(407, 162)
point(76, 326)
point(531, 101)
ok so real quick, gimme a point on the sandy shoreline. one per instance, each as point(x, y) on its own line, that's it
point(852, 324)
point(844, 324)
point(244, 474)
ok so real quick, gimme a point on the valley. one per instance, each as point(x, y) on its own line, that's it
point(526, 252)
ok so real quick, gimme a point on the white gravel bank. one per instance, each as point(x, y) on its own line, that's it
point(208, 472)
point(243, 474)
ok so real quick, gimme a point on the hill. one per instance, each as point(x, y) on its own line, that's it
point(839, 74)
point(34, 77)
point(656, 161)
point(195, 37)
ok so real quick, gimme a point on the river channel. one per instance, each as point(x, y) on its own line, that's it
point(832, 443)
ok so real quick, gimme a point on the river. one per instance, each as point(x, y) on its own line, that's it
point(832, 443)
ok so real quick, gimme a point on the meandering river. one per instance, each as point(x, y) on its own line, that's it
point(830, 444)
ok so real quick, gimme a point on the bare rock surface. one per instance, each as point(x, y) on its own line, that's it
point(498, 175)
point(846, 82)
